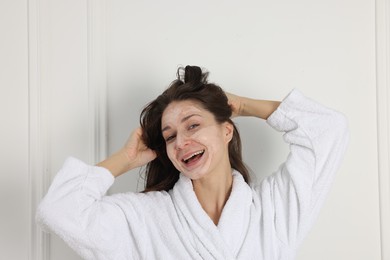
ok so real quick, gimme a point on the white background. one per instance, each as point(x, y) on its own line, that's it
point(75, 75)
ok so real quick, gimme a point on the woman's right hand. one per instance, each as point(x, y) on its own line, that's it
point(138, 154)
point(133, 155)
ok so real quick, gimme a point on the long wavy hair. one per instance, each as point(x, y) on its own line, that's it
point(160, 174)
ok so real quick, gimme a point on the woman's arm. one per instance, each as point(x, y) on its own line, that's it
point(76, 209)
point(317, 137)
point(94, 225)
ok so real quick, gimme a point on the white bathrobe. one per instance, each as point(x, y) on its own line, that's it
point(263, 221)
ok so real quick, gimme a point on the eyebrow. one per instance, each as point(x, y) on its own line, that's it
point(182, 120)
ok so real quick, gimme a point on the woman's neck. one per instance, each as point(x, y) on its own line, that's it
point(213, 191)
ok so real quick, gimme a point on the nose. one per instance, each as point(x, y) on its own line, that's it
point(181, 141)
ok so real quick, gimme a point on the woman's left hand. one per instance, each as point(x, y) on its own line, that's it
point(243, 106)
point(236, 103)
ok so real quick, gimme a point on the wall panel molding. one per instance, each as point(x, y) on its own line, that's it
point(38, 128)
point(383, 114)
point(97, 79)
point(40, 55)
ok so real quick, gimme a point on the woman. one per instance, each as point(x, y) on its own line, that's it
point(198, 202)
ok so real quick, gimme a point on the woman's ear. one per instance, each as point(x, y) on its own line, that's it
point(228, 131)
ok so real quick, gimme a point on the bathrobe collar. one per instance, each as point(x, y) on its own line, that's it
point(225, 240)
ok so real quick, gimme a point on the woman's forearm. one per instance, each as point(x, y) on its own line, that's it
point(258, 108)
point(117, 163)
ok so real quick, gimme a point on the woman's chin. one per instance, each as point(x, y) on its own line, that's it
point(194, 175)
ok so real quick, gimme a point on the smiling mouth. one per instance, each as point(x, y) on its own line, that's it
point(193, 156)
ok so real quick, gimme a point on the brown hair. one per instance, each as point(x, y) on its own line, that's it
point(160, 173)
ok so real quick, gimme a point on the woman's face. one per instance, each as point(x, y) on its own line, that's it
point(196, 144)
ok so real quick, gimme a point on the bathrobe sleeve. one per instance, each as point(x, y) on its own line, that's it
point(92, 224)
point(318, 138)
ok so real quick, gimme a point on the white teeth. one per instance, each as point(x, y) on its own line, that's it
point(192, 155)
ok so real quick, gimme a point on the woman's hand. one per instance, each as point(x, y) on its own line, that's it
point(235, 102)
point(133, 155)
point(243, 106)
point(136, 151)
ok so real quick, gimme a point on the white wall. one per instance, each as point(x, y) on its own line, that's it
point(262, 49)
point(13, 131)
point(61, 61)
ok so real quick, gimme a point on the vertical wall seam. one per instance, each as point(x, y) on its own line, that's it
point(382, 86)
point(97, 80)
point(39, 247)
